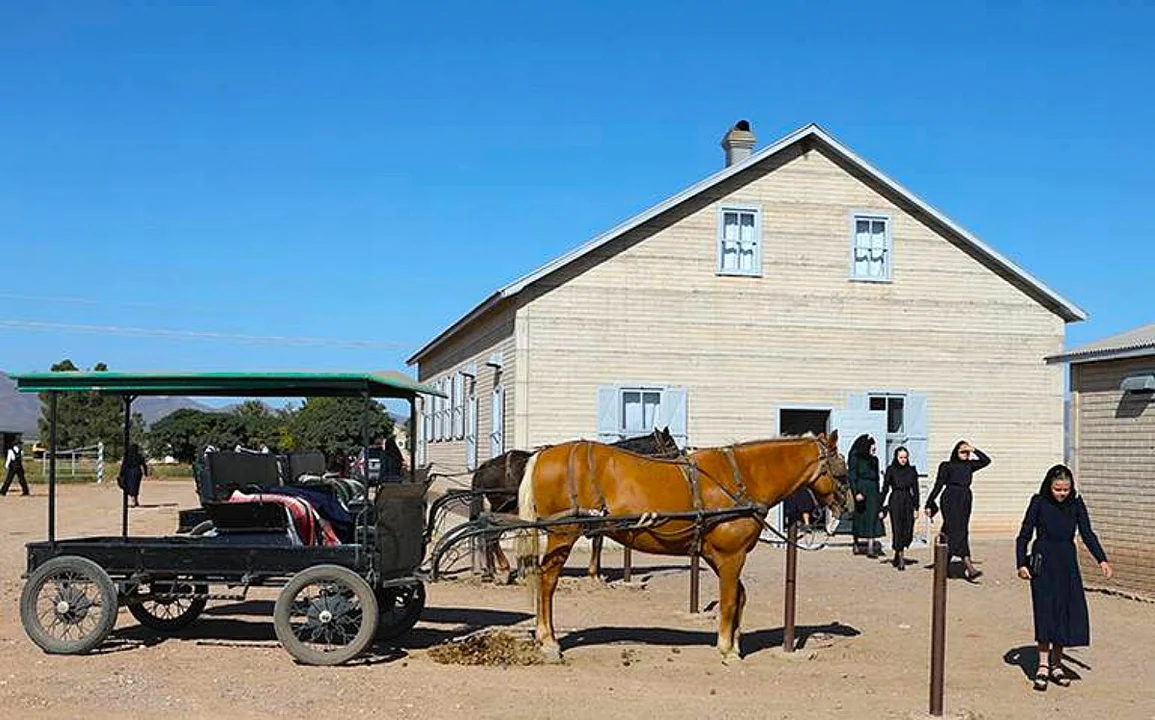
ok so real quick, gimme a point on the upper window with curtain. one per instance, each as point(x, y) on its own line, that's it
point(870, 248)
point(739, 240)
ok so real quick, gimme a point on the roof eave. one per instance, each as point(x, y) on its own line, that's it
point(481, 308)
point(1078, 358)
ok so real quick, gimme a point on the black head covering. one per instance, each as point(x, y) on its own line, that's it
point(1058, 472)
point(954, 453)
point(861, 446)
point(894, 458)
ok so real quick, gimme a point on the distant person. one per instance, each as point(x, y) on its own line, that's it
point(1058, 601)
point(132, 472)
point(799, 507)
point(14, 469)
point(900, 501)
point(954, 482)
point(862, 463)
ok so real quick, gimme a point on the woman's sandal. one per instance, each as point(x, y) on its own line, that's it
point(1060, 677)
point(1041, 676)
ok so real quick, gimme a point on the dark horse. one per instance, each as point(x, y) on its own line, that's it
point(503, 474)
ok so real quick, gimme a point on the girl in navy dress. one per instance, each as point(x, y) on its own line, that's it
point(1057, 597)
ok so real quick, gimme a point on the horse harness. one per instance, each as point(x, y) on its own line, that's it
point(705, 518)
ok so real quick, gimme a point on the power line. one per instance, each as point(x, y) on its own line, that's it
point(35, 325)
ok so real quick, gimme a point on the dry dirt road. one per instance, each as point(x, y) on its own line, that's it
point(631, 651)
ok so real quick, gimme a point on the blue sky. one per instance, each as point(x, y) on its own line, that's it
point(290, 179)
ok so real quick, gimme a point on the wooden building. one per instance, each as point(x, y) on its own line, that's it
point(798, 288)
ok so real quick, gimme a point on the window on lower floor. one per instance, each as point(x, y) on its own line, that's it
point(639, 410)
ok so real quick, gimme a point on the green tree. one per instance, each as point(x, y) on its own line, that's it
point(88, 418)
point(186, 432)
point(333, 425)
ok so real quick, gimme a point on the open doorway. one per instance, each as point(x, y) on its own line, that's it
point(799, 421)
point(795, 421)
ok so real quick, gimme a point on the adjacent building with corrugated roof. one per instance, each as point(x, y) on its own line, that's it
point(1113, 450)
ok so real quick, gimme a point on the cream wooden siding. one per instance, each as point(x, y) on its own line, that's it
point(493, 333)
point(650, 308)
point(1115, 468)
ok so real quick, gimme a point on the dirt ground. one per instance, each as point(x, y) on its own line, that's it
point(630, 650)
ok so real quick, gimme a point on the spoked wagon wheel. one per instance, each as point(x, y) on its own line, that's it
point(401, 608)
point(812, 537)
point(325, 615)
point(167, 607)
point(68, 606)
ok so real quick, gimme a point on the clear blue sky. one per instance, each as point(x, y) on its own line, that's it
point(363, 171)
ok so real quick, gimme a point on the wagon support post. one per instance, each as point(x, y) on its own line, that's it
point(123, 457)
point(627, 563)
point(52, 396)
point(791, 587)
point(938, 626)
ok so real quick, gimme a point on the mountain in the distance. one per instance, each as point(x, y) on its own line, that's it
point(20, 411)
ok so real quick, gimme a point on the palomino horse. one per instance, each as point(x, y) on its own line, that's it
point(583, 479)
point(503, 474)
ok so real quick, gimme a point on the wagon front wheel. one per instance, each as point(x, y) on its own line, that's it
point(325, 615)
point(68, 606)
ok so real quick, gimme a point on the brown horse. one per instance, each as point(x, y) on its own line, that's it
point(583, 479)
point(501, 477)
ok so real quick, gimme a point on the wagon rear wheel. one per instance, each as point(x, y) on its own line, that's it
point(167, 607)
point(401, 608)
point(68, 606)
point(325, 615)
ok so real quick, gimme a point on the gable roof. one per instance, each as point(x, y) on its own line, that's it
point(1139, 342)
point(1029, 284)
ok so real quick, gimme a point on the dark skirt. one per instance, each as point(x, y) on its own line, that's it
point(1057, 597)
point(798, 503)
point(866, 523)
point(901, 510)
point(956, 520)
point(129, 481)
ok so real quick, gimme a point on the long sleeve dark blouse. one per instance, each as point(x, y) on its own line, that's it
point(900, 478)
point(1053, 523)
point(957, 473)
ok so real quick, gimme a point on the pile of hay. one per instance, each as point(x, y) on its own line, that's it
point(494, 647)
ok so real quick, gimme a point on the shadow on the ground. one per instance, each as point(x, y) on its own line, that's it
point(1026, 658)
point(752, 642)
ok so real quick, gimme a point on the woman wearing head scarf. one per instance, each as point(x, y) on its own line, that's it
point(132, 471)
point(954, 482)
point(1057, 596)
point(862, 464)
point(900, 499)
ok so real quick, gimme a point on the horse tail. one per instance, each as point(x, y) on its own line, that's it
point(527, 544)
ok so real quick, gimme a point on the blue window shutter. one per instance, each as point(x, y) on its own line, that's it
point(608, 414)
point(471, 433)
point(672, 413)
point(916, 431)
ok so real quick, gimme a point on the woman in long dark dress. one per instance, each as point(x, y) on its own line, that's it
point(954, 482)
point(132, 471)
point(1057, 597)
point(862, 464)
point(900, 501)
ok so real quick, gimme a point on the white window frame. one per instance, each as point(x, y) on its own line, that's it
point(741, 208)
point(888, 245)
point(643, 389)
point(893, 440)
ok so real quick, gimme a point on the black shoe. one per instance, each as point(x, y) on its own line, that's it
point(973, 576)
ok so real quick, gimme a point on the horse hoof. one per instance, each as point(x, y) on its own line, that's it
point(551, 654)
point(731, 658)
